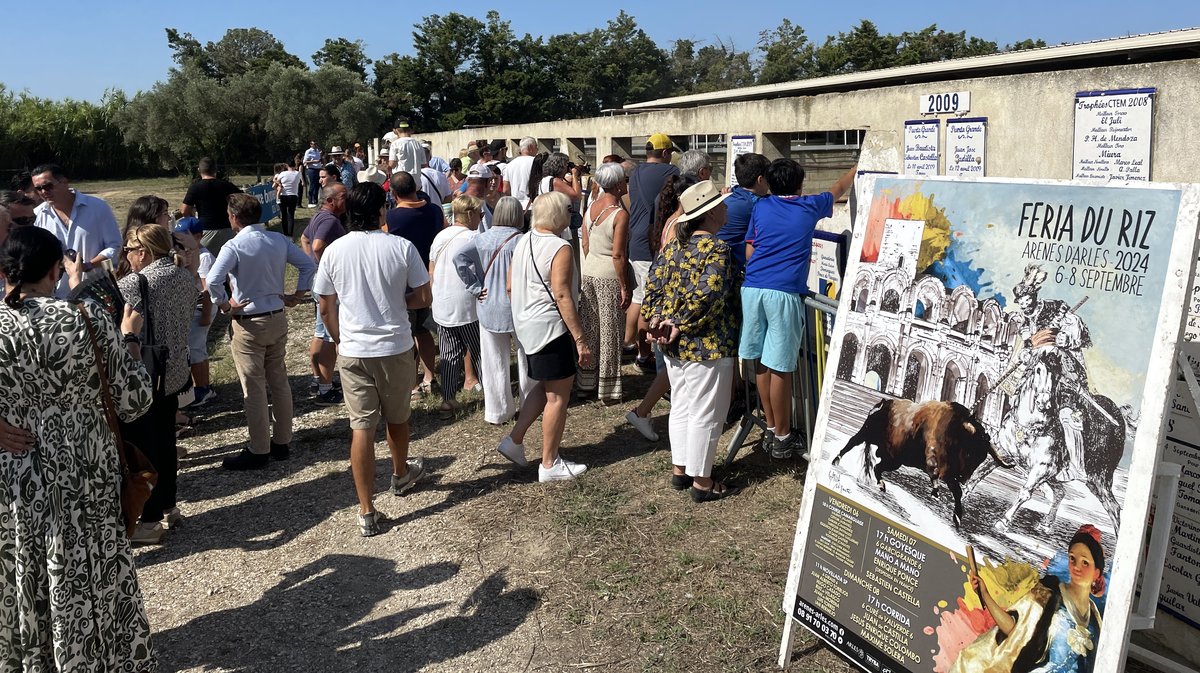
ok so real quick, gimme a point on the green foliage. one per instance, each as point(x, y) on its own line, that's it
point(79, 135)
point(246, 98)
point(342, 52)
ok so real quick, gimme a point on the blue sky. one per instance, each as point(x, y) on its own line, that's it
point(77, 48)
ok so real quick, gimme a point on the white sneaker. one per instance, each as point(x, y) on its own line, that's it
point(561, 470)
point(513, 451)
point(311, 205)
point(148, 533)
point(172, 517)
point(642, 425)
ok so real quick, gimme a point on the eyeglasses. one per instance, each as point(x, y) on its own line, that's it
point(44, 187)
point(130, 248)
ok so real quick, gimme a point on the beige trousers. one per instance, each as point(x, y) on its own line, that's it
point(259, 345)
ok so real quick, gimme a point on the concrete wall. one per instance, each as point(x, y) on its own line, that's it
point(1031, 118)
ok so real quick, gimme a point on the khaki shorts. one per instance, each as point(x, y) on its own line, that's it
point(378, 387)
point(640, 271)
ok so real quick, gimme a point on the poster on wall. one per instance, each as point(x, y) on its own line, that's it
point(966, 143)
point(738, 145)
point(921, 146)
point(1112, 135)
point(991, 415)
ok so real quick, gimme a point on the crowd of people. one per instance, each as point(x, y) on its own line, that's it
point(528, 260)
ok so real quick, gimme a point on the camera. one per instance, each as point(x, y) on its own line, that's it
point(584, 167)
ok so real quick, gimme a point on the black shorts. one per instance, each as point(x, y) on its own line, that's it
point(417, 319)
point(554, 362)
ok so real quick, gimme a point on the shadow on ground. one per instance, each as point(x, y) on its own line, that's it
point(318, 619)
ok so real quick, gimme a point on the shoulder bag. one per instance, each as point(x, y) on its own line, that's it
point(138, 476)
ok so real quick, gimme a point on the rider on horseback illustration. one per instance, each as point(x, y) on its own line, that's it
point(1058, 428)
point(1054, 335)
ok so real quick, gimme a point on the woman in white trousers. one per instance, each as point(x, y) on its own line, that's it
point(692, 311)
point(483, 265)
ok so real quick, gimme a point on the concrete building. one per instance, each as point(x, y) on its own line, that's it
point(1028, 98)
point(949, 341)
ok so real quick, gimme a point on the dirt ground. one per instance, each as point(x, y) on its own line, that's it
point(482, 569)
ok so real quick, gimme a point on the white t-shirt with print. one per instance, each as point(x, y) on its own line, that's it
point(453, 305)
point(371, 272)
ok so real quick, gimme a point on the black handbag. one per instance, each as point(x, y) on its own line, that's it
point(154, 356)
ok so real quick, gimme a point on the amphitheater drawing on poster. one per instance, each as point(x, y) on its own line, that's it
point(1013, 303)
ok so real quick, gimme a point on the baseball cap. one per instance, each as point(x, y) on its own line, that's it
point(480, 171)
point(188, 225)
point(496, 146)
point(661, 141)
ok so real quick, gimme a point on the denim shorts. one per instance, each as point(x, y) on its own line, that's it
point(319, 331)
point(772, 328)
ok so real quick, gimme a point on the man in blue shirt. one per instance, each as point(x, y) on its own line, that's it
point(750, 170)
point(347, 174)
point(778, 247)
point(82, 223)
point(254, 262)
point(312, 165)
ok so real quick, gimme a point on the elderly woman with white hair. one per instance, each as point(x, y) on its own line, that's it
point(483, 265)
point(605, 283)
point(548, 328)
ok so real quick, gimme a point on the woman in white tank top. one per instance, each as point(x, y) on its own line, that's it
point(548, 328)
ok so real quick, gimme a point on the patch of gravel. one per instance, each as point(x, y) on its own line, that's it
point(482, 569)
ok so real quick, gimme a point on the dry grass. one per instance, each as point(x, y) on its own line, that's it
point(484, 569)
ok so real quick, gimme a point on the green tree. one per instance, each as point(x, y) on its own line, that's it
point(340, 51)
point(1027, 43)
point(933, 44)
point(239, 51)
point(711, 68)
point(786, 54)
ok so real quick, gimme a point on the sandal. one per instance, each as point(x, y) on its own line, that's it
point(717, 492)
point(681, 482)
point(420, 391)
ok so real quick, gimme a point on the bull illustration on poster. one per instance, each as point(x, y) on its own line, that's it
point(978, 446)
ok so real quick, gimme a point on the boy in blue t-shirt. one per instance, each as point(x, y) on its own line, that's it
point(778, 246)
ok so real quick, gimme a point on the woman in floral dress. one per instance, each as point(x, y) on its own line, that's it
point(69, 597)
point(692, 311)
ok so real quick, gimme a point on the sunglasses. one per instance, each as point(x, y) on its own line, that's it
point(44, 187)
point(130, 248)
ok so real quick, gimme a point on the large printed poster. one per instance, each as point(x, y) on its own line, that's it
point(993, 417)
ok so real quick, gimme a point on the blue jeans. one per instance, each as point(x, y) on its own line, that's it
point(314, 183)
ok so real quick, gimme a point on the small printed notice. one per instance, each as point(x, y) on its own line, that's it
point(1112, 135)
point(921, 147)
point(738, 145)
point(1178, 594)
point(824, 277)
point(967, 141)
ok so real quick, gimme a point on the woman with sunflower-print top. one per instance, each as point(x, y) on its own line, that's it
point(692, 311)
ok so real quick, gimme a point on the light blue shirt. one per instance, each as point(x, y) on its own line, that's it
point(471, 262)
point(92, 231)
point(312, 158)
point(255, 261)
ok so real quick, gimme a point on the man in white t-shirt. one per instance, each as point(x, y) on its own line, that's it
point(516, 176)
point(367, 282)
point(405, 153)
point(435, 184)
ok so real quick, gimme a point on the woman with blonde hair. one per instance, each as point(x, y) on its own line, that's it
point(160, 288)
point(454, 307)
point(548, 328)
point(483, 265)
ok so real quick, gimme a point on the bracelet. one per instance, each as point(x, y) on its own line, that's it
point(132, 338)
